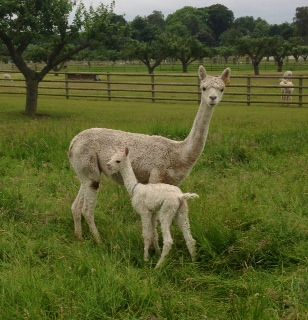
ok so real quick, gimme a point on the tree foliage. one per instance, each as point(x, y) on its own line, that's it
point(301, 22)
point(279, 49)
point(255, 48)
point(52, 31)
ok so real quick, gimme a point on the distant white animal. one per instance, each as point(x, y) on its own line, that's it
point(7, 76)
point(287, 87)
point(159, 201)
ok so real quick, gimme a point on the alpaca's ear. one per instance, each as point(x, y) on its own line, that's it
point(202, 73)
point(126, 151)
point(225, 76)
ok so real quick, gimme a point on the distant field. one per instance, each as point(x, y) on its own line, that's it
point(250, 223)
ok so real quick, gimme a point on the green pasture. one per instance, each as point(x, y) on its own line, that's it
point(250, 222)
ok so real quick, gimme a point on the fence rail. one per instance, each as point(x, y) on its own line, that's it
point(243, 89)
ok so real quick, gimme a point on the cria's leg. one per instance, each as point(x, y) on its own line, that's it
point(155, 234)
point(166, 215)
point(90, 195)
point(147, 232)
point(77, 211)
point(183, 222)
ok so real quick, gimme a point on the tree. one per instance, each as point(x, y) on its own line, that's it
point(284, 30)
point(187, 50)
point(219, 19)
point(58, 28)
point(149, 53)
point(194, 22)
point(279, 49)
point(149, 42)
point(255, 48)
point(301, 22)
point(184, 46)
point(226, 52)
point(4, 56)
point(248, 26)
point(295, 47)
point(304, 52)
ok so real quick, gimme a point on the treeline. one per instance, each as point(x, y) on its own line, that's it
point(190, 34)
point(55, 31)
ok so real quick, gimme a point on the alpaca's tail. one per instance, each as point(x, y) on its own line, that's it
point(188, 196)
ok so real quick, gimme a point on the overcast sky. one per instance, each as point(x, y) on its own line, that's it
point(273, 11)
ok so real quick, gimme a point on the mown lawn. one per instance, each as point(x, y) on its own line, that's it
point(250, 222)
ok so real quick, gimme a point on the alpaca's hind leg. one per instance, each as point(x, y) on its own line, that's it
point(90, 195)
point(155, 234)
point(183, 222)
point(77, 211)
point(166, 215)
point(147, 233)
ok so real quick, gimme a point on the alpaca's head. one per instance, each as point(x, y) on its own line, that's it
point(212, 88)
point(118, 161)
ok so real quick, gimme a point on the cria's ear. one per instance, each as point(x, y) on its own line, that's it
point(225, 76)
point(126, 151)
point(202, 73)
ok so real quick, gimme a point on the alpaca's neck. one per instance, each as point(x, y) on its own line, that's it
point(129, 177)
point(195, 141)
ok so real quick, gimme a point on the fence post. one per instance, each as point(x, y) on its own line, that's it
point(248, 90)
point(153, 86)
point(300, 91)
point(198, 90)
point(67, 93)
point(109, 86)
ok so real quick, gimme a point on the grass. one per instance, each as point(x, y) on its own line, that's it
point(250, 222)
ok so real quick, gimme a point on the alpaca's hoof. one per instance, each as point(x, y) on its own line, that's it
point(78, 236)
point(98, 240)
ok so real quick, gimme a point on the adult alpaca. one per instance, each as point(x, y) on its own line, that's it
point(154, 158)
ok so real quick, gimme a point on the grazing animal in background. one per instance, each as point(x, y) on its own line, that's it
point(154, 159)
point(7, 76)
point(159, 201)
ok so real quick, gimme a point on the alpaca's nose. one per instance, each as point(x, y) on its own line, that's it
point(213, 98)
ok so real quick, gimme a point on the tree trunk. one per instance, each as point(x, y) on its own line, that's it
point(184, 66)
point(150, 69)
point(279, 66)
point(32, 94)
point(256, 68)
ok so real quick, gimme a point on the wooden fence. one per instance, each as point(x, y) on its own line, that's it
point(243, 89)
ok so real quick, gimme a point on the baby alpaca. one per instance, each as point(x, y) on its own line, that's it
point(154, 202)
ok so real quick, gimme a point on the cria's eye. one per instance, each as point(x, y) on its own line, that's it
point(203, 88)
point(222, 90)
point(118, 161)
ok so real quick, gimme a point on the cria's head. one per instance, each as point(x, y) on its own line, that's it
point(212, 88)
point(118, 161)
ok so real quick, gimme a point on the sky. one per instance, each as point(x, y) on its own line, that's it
point(273, 11)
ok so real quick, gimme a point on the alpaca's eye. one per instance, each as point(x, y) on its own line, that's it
point(118, 161)
point(204, 88)
point(222, 90)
